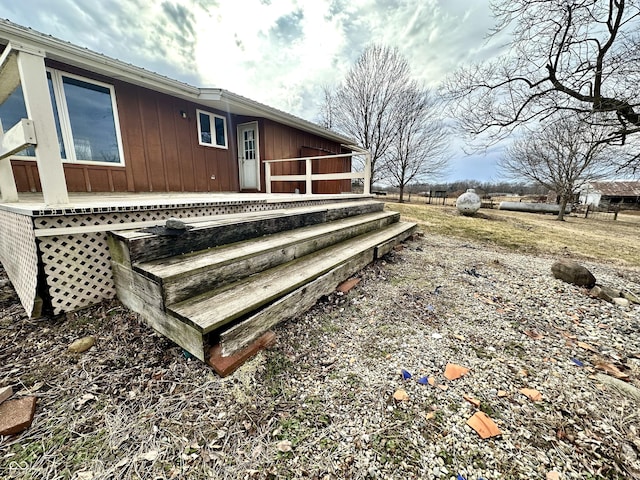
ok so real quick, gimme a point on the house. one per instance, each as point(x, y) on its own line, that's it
point(97, 154)
point(604, 194)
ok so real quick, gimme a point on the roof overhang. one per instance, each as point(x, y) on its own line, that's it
point(69, 54)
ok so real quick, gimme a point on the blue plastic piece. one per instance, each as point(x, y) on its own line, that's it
point(423, 380)
point(460, 477)
point(406, 375)
point(577, 362)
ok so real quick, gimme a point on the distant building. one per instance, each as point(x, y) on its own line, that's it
point(600, 194)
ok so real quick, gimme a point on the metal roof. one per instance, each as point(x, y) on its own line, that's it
point(618, 188)
point(70, 54)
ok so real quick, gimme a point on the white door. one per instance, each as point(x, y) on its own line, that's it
point(249, 156)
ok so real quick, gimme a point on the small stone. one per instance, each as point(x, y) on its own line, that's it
point(572, 272)
point(622, 302)
point(175, 224)
point(605, 293)
point(5, 392)
point(82, 344)
point(16, 415)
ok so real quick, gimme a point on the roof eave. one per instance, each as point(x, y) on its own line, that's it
point(84, 58)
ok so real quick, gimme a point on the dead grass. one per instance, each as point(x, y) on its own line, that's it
point(591, 239)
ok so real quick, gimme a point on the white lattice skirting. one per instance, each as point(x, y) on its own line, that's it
point(19, 256)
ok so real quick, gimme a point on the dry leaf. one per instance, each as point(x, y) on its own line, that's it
point(568, 336)
point(553, 475)
point(502, 393)
point(613, 371)
point(533, 334)
point(284, 446)
point(523, 372)
point(150, 456)
point(430, 415)
point(483, 425)
point(473, 401)
point(586, 346)
point(532, 394)
point(444, 388)
point(432, 381)
point(459, 337)
point(401, 395)
point(453, 371)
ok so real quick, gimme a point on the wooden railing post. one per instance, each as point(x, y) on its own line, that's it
point(309, 184)
point(367, 174)
point(267, 176)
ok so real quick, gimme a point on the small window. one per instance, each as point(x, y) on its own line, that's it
point(212, 130)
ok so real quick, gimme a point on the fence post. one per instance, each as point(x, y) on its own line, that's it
point(586, 212)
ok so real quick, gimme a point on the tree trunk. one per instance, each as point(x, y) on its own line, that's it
point(563, 206)
point(401, 199)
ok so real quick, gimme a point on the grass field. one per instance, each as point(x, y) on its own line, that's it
point(605, 240)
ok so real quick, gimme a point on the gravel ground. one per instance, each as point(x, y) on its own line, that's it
point(319, 404)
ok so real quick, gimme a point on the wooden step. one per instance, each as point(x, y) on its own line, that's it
point(212, 310)
point(191, 274)
point(142, 246)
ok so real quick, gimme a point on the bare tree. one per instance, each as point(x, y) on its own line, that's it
point(366, 105)
point(421, 144)
point(561, 156)
point(580, 56)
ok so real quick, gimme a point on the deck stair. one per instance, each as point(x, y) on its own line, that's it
point(229, 279)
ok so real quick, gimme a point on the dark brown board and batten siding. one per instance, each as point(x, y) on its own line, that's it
point(162, 152)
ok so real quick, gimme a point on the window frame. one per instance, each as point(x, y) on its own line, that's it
point(212, 116)
point(65, 122)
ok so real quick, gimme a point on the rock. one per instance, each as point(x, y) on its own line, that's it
point(633, 298)
point(16, 415)
point(175, 224)
point(5, 392)
point(623, 302)
point(468, 203)
point(82, 344)
point(572, 272)
point(605, 293)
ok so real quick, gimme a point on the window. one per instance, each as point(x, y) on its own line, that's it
point(85, 114)
point(212, 129)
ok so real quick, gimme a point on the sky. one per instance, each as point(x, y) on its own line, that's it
point(277, 52)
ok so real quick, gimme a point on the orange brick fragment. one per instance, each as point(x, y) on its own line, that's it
point(533, 394)
point(347, 285)
point(227, 365)
point(473, 401)
point(453, 371)
point(483, 425)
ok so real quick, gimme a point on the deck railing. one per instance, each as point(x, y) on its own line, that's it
point(309, 177)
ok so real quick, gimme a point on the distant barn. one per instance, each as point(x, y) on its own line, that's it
point(604, 194)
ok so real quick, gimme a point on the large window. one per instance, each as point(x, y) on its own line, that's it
point(85, 114)
point(212, 129)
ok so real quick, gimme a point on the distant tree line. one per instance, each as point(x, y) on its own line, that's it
point(481, 188)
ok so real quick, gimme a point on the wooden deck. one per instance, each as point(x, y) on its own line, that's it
point(226, 281)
